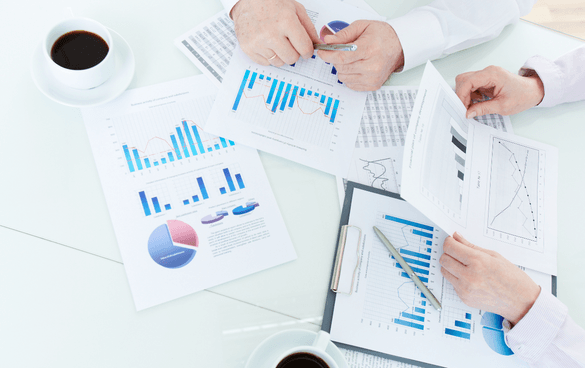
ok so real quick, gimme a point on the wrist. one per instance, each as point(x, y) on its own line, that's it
point(523, 306)
point(536, 86)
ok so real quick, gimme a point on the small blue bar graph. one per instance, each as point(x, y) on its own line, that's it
point(286, 94)
point(292, 99)
point(241, 91)
point(177, 152)
point(240, 181)
point(147, 162)
point(302, 92)
point(463, 335)
point(189, 138)
point(186, 202)
point(463, 325)
point(155, 204)
point(222, 190)
point(409, 324)
point(334, 113)
point(322, 98)
point(415, 269)
point(167, 207)
point(410, 223)
point(429, 242)
point(423, 279)
point(171, 159)
point(271, 93)
point(198, 138)
point(163, 160)
point(251, 84)
point(128, 158)
point(422, 233)
point(145, 205)
point(202, 188)
point(424, 303)
point(216, 146)
point(182, 140)
point(413, 317)
point(229, 180)
point(137, 158)
point(309, 93)
point(277, 98)
point(419, 310)
point(467, 315)
point(415, 254)
point(223, 142)
point(195, 198)
point(328, 108)
point(261, 77)
point(415, 262)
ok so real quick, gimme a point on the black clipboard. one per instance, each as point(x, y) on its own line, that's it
point(331, 295)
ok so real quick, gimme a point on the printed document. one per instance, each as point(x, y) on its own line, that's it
point(301, 112)
point(497, 189)
point(190, 210)
point(387, 313)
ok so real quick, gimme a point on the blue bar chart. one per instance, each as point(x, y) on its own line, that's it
point(457, 323)
point(154, 200)
point(287, 108)
point(149, 140)
point(403, 303)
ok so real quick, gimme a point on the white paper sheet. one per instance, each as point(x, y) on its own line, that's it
point(300, 112)
point(379, 147)
point(387, 313)
point(190, 210)
point(496, 189)
point(211, 44)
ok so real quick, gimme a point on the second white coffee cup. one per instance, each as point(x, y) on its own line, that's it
point(317, 348)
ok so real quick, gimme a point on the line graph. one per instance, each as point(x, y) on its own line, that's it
point(291, 110)
point(515, 193)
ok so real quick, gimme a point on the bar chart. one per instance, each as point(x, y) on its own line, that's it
point(290, 109)
point(444, 172)
point(149, 139)
point(457, 323)
point(391, 297)
point(155, 199)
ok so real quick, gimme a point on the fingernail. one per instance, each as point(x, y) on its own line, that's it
point(471, 115)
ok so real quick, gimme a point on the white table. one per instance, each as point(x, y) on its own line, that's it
point(64, 298)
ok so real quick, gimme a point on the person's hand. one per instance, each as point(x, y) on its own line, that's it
point(485, 280)
point(379, 53)
point(274, 31)
point(509, 93)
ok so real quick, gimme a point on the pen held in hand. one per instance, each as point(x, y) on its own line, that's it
point(335, 47)
point(422, 287)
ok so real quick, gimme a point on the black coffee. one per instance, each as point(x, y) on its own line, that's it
point(302, 360)
point(79, 50)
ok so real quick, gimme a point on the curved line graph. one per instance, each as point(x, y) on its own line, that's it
point(376, 171)
point(513, 190)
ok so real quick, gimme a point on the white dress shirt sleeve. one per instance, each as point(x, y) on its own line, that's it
point(547, 336)
point(563, 78)
point(447, 26)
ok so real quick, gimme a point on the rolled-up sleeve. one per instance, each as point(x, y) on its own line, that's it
point(447, 26)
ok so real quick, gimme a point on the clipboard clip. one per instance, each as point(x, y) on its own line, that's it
point(341, 246)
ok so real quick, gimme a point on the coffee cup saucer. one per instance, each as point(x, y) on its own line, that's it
point(270, 349)
point(110, 89)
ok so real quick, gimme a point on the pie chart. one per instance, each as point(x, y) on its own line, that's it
point(173, 244)
point(332, 28)
point(493, 333)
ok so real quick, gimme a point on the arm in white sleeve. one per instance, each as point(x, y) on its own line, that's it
point(228, 5)
point(546, 336)
point(447, 26)
point(563, 78)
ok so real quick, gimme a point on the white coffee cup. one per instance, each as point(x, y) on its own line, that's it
point(86, 78)
point(317, 348)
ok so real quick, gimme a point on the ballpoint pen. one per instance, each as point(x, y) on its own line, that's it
point(335, 47)
point(408, 270)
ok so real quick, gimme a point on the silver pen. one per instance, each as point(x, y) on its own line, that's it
point(413, 276)
point(335, 47)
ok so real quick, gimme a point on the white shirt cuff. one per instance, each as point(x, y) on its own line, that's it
point(420, 35)
point(537, 329)
point(551, 77)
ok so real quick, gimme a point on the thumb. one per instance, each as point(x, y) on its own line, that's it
point(462, 240)
point(307, 24)
point(492, 106)
point(349, 33)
